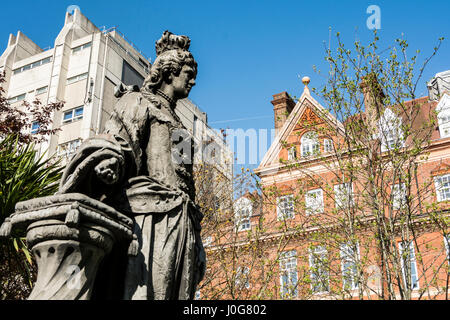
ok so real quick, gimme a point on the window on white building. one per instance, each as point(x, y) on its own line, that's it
point(409, 265)
point(349, 257)
point(398, 196)
point(314, 201)
point(41, 90)
point(292, 153)
point(77, 78)
point(82, 47)
point(17, 98)
point(285, 207)
point(318, 264)
point(343, 194)
point(288, 274)
point(68, 149)
point(243, 213)
point(309, 144)
point(442, 185)
point(73, 115)
point(32, 65)
point(443, 115)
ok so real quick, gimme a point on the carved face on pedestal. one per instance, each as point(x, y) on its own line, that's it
point(183, 82)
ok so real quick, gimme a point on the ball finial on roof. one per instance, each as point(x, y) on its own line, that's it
point(306, 80)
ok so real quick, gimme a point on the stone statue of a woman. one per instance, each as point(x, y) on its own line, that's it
point(142, 167)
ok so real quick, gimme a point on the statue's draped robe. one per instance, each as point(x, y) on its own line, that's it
point(156, 188)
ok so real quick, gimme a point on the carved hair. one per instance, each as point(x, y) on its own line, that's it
point(172, 55)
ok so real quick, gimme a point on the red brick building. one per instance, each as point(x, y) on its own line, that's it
point(337, 248)
point(337, 220)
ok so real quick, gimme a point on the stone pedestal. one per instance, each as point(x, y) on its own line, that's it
point(69, 235)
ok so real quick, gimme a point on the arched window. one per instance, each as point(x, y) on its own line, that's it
point(309, 144)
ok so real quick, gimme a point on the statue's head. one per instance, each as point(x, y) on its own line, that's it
point(173, 65)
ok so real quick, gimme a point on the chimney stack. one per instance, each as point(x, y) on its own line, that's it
point(373, 99)
point(282, 107)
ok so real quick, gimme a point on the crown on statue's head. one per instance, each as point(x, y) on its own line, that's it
point(170, 41)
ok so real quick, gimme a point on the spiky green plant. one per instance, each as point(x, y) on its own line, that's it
point(23, 176)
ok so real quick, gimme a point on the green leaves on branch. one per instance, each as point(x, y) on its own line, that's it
point(23, 175)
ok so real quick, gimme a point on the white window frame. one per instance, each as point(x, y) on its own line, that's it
point(77, 78)
point(17, 98)
point(35, 130)
point(328, 145)
point(447, 247)
point(391, 134)
point(32, 65)
point(309, 144)
point(292, 153)
point(314, 201)
point(241, 280)
point(285, 207)
point(41, 90)
point(243, 213)
point(398, 196)
point(68, 149)
point(288, 274)
point(73, 117)
point(412, 258)
point(82, 47)
point(348, 263)
point(208, 241)
point(443, 115)
point(442, 185)
point(341, 200)
point(320, 271)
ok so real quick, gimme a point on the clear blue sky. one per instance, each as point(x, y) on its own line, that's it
point(247, 50)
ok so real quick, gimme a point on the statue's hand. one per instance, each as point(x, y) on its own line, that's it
point(108, 171)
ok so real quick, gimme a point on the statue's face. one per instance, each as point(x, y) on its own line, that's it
point(183, 83)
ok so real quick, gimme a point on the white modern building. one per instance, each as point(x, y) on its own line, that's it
point(439, 85)
point(82, 69)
